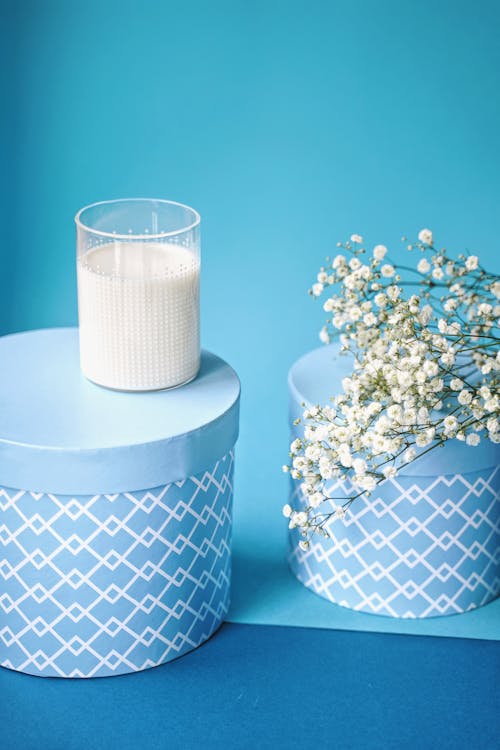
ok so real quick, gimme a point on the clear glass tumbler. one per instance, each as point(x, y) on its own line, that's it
point(138, 268)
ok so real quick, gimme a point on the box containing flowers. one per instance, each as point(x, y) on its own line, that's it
point(394, 505)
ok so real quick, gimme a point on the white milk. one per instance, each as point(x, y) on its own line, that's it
point(138, 307)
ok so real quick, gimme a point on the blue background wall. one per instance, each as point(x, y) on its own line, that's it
point(288, 125)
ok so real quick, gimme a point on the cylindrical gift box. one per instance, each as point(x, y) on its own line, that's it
point(424, 543)
point(115, 512)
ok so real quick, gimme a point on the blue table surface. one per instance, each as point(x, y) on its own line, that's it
point(271, 687)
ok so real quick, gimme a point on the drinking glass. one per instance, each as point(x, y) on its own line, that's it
point(138, 270)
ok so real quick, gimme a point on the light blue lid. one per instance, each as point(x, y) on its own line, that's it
point(61, 433)
point(317, 376)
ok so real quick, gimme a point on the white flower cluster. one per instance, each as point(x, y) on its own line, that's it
point(425, 368)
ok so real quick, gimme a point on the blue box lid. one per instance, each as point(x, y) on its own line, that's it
point(61, 433)
point(317, 376)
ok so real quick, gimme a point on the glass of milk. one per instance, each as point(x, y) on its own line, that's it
point(138, 269)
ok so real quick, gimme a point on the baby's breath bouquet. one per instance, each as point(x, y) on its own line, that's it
point(424, 344)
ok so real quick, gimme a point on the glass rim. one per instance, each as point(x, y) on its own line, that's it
point(114, 235)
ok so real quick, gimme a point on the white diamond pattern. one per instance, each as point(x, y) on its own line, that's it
point(108, 584)
point(412, 549)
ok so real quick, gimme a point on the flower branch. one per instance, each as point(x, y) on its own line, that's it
point(425, 369)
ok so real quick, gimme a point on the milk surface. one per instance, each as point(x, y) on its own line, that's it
point(138, 307)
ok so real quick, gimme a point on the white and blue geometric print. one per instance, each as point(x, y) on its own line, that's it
point(418, 547)
point(101, 585)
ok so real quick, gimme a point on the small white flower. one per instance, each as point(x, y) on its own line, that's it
point(492, 424)
point(312, 452)
point(322, 277)
point(425, 236)
point(424, 266)
point(304, 545)
point(430, 368)
point(387, 270)
point(300, 518)
point(316, 499)
point(326, 470)
point(375, 407)
point(472, 262)
point(356, 238)
point(491, 404)
point(389, 471)
point(473, 439)
point(342, 271)
point(456, 384)
point(379, 252)
point(409, 454)
point(405, 379)
point(442, 325)
point(464, 397)
point(322, 432)
point(345, 455)
point(355, 313)
point(423, 415)
point(485, 309)
point(414, 304)
point(370, 319)
point(437, 273)
point(377, 444)
point(287, 510)
point(437, 384)
point(450, 268)
point(394, 412)
point(329, 412)
point(359, 465)
point(425, 315)
point(367, 482)
point(393, 292)
point(450, 423)
point(409, 416)
point(447, 359)
point(425, 438)
point(324, 336)
point(317, 289)
point(339, 512)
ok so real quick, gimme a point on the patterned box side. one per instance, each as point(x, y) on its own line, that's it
point(418, 547)
point(108, 584)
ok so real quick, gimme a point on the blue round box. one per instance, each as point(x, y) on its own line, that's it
point(115, 512)
point(425, 543)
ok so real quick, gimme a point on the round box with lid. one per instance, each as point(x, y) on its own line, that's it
point(425, 543)
point(115, 512)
